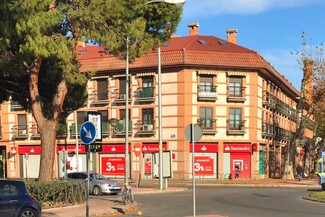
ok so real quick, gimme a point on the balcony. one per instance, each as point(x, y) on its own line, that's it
point(269, 100)
point(34, 131)
point(276, 132)
point(207, 93)
point(119, 129)
point(15, 106)
point(208, 126)
point(236, 127)
point(236, 94)
point(73, 130)
point(145, 94)
point(146, 128)
point(20, 131)
point(62, 131)
point(100, 98)
point(105, 130)
point(120, 98)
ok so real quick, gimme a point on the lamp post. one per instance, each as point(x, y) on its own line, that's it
point(177, 3)
point(126, 181)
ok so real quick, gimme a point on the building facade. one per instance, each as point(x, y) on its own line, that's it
point(246, 109)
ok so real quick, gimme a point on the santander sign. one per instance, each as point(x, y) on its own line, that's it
point(237, 148)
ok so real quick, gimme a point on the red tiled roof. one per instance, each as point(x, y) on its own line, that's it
point(190, 50)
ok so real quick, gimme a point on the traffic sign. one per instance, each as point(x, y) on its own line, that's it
point(87, 132)
point(137, 149)
point(197, 133)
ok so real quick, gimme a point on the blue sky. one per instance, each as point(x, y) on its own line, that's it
point(271, 27)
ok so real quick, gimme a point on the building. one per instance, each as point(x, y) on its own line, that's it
point(246, 109)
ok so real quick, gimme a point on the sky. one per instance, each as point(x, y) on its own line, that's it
point(273, 28)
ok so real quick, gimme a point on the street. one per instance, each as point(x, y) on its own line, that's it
point(232, 201)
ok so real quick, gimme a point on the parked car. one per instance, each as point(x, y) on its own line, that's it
point(15, 200)
point(98, 184)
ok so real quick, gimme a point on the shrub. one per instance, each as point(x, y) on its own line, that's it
point(57, 193)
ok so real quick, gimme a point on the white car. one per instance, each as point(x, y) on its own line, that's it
point(98, 184)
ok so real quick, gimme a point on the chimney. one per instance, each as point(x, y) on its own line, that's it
point(194, 29)
point(232, 35)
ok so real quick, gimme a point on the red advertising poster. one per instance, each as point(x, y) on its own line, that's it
point(113, 166)
point(203, 165)
point(148, 167)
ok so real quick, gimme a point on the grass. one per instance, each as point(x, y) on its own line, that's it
point(318, 195)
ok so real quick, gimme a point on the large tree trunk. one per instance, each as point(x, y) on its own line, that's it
point(46, 126)
point(48, 142)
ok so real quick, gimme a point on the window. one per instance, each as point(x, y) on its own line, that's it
point(147, 86)
point(147, 116)
point(235, 119)
point(102, 92)
point(235, 87)
point(123, 85)
point(22, 124)
point(81, 117)
point(206, 83)
point(122, 114)
point(206, 117)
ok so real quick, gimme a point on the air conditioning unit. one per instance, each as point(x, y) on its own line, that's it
point(22, 132)
point(147, 127)
point(122, 96)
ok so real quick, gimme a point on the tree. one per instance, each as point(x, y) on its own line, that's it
point(38, 61)
point(310, 103)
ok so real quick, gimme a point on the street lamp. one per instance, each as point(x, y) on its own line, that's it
point(178, 3)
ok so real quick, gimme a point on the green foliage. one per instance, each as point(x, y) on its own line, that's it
point(318, 195)
point(56, 193)
point(32, 29)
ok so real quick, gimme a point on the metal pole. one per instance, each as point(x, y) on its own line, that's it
point(77, 145)
point(160, 123)
point(127, 112)
point(193, 170)
point(87, 186)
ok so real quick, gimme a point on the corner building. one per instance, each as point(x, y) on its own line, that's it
point(246, 109)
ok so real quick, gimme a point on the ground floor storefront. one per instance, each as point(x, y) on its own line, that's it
point(206, 160)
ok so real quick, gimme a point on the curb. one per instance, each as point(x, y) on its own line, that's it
point(313, 199)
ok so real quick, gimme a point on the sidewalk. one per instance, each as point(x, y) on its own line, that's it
point(105, 206)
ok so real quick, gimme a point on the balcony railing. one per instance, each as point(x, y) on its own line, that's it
point(20, 131)
point(62, 130)
point(276, 132)
point(15, 105)
point(100, 97)
point(207, 93)
point(119, 129)
point(146, 127)
point(35, 132)
point(105, 129)
point(120, 97)
point(208, 125)
point(235, 127)
point(236, 94)
point(269, 100)
point(145, 94)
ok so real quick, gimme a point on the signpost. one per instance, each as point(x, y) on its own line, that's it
point(87, 135)
point(193, 133)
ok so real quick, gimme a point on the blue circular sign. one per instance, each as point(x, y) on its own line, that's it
point(87, 132)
